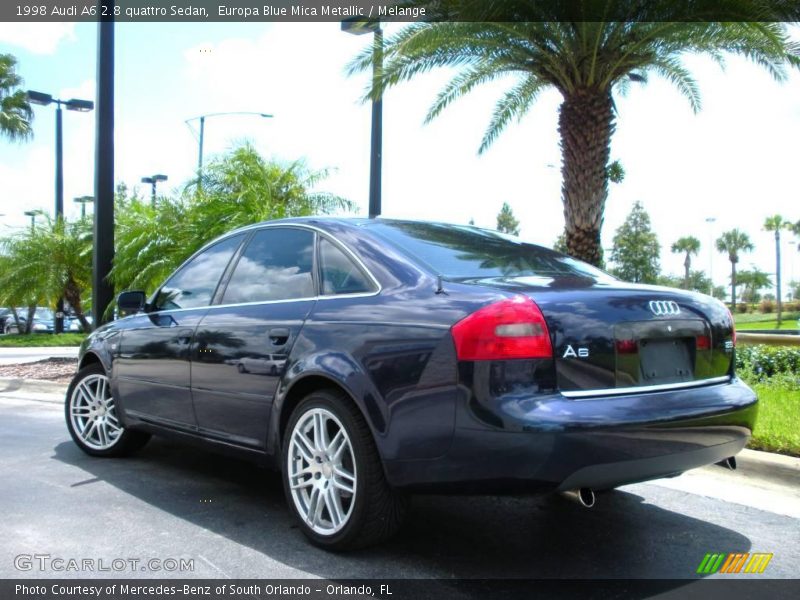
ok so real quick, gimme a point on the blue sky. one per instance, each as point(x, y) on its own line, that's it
point(736, 160)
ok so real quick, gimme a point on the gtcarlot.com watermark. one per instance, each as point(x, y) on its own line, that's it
point(59, 564)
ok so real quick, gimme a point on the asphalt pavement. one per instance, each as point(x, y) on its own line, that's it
point(229, 517)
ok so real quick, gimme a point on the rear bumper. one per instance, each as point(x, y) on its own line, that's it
point(545, 442)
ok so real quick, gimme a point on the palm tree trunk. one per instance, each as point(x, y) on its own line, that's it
point(585, 124)
point(72, 294)
point(778, 273)
point(687, 267)
point(733, 286)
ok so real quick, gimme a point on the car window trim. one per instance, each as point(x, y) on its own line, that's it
point(378, 288)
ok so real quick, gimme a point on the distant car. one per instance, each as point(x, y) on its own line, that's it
point(269, 364)
point(43, 320)
point(75, 324)
point(6, 316)
point(419, 357)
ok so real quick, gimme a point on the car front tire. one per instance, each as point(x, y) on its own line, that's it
point(92, 417)
point(333, 477)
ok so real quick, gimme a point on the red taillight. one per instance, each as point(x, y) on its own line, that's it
point(627, 347)
point(512, 328)
point(703, 342)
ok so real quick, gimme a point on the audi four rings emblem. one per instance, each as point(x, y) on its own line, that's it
point(664, 307)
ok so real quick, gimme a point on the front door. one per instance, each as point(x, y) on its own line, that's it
point(151, 368)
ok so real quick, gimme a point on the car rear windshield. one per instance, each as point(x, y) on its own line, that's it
point(463, 252)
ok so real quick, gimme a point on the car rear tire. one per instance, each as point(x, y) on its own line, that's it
point(92, 418)
point(333, 477)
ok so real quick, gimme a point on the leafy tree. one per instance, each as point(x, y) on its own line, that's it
point(753, 281)
point(689, 245)
point(237, 189)
point(719, 292)
point(506, 221)
point(51, 260)
point(586, 60)
point(776, 223)
point(15, 110)
point(560, 245)
point(636, 249)
point(732, 243)
point(697, 281)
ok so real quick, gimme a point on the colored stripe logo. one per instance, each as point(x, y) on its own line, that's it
point(734, 562)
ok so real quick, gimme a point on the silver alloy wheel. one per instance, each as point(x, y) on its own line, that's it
point(322, 471)
point(92, 413)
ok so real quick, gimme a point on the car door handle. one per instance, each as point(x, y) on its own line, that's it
point(279, 336)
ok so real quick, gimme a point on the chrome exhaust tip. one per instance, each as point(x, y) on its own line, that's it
point(583, 496)
point(728, 463)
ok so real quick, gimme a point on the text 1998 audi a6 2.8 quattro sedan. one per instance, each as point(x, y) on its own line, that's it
point(368, 359)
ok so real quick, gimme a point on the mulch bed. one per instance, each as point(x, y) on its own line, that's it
point(58, 370)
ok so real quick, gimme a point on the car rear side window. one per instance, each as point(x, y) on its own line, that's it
point(461, 252)
point(276, 265)
point(194, 284)
point(340, 275)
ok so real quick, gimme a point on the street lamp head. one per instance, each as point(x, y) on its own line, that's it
point(83, 199)
point(39, 98)
point(147, 180)
point(33, 213)
point(79, 105)
point(360, 25)
point(159, 177)
point(265, 115)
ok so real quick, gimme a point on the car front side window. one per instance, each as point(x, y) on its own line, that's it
point(276, 265)
point(193, 284)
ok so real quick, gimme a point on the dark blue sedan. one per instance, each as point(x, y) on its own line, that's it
point(368, 359)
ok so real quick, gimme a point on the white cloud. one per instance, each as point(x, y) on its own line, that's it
point(38, 38)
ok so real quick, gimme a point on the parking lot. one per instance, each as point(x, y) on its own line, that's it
point(229, 518)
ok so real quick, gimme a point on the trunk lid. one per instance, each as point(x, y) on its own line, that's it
point(608, 336)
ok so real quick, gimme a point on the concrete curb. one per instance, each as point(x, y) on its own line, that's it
point(15, 384)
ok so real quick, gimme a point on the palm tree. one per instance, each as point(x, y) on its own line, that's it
point(585, 60)
point(732, 243)
point(776, 223)
point(15, 110)
point(753, 281)
point(690, 245)
point(50, 261)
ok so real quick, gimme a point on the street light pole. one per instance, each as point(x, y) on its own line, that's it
point(153, 181)
point(711, 221)
point(76, 105)
point(359, 26)
point(83, 200)
point(32, 214)
point(202, 132)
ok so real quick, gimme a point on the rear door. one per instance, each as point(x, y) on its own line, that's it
point(151, 368)
point(243, 342)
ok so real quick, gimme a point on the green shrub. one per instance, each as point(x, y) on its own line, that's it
point(741, 307)
point(761, 362)
point(767, 306)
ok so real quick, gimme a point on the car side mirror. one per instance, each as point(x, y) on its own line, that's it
point(131, 302)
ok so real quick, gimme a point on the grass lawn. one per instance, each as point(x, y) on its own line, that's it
point(768, 321)
point(778, 424)
point(41, 340)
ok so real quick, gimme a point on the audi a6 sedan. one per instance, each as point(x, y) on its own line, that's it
point(370, 359)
